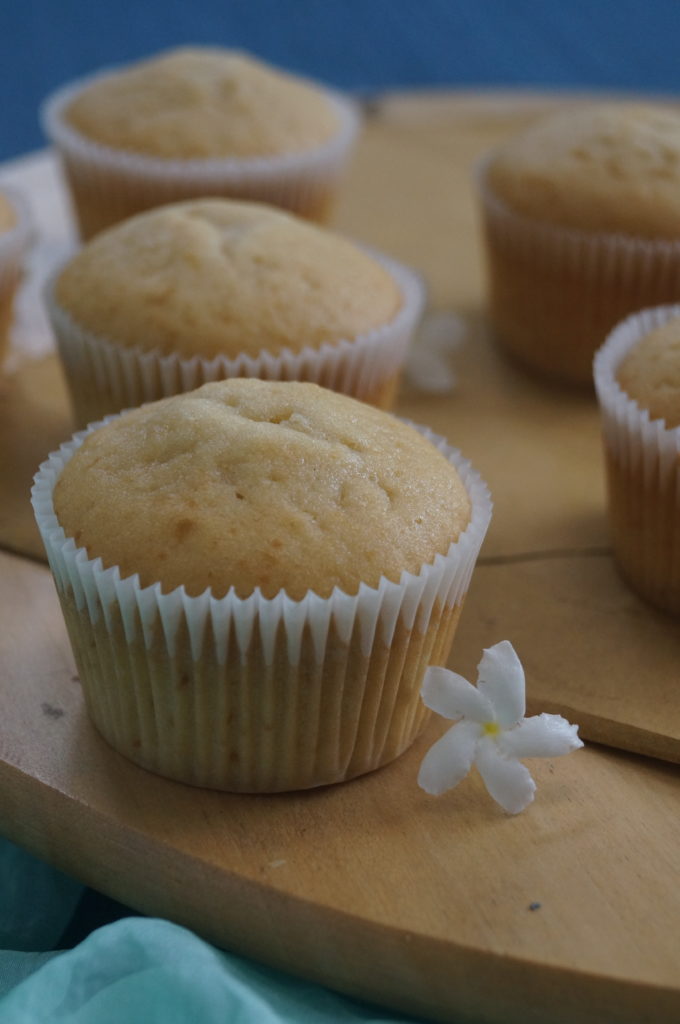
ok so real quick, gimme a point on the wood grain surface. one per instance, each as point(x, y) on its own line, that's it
point(593, 648)
point(373, 887)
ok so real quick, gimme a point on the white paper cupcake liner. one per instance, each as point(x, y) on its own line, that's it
point(105, 377)
point(109, 185)
point(14, 246)
point(642, 458)
point(257, 694)
point(555, 293)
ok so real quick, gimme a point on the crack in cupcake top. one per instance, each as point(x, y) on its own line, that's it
point(215, 276)
point(246, 483)
point(203, 102)
point(605, 167)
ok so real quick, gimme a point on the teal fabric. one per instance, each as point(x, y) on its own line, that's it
point(136, 970)
point(14, 967)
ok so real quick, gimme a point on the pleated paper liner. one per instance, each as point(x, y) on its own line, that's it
point(256, 694)
point(108, 185)
point(105, 377)
point(555, 293)
point(643, 472)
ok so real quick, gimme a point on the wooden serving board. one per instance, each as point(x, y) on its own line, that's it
point(592, 648)
point(373, 887)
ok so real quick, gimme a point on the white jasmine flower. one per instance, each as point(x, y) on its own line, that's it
point(491, 730)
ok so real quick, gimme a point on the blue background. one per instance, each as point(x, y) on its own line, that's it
point(360, 45)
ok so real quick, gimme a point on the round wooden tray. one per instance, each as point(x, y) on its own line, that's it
point(373, 887)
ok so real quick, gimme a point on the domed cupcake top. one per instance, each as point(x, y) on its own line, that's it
point(215, 276)
point(650, 373)
point(609, 167)
point(203, 102)
point(246, 483)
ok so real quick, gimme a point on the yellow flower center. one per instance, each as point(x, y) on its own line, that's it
point(491, 728)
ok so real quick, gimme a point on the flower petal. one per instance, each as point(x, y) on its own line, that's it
point(452, 696)
point(449, 759)
point(508, 781)
point(540, 736)
point(501, 681)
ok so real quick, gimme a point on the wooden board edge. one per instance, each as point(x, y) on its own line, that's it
point(407, 972)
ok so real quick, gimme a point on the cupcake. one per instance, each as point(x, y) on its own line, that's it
point(255, 575)
point(208, 289)
point(14, 241)
point(637, 377)
point(198, 121)
point(582, 224)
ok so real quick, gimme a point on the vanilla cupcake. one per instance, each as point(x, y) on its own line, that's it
point(582, 224)
point(209, 289)
point(637, 376)
point(14, 241)
point(198, 121)
point(255, 576)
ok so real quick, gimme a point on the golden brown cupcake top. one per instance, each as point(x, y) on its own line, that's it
point(8, 217)
point(202, 102)
point(650, 373)
point(246, 483)
point(611, 167)
point(219, 276)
